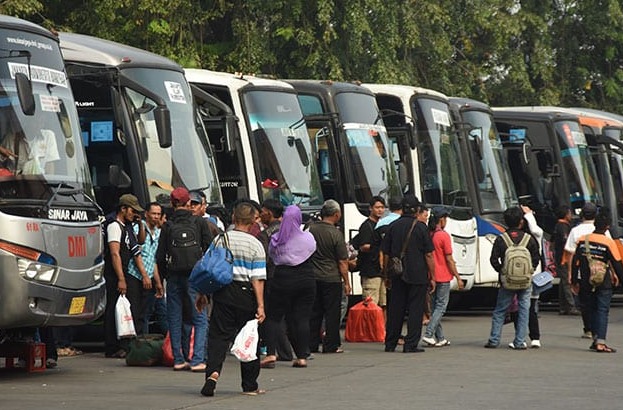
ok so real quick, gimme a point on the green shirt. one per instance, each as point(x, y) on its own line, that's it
point(330, 249)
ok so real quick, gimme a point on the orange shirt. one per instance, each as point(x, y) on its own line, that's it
point(443, 247)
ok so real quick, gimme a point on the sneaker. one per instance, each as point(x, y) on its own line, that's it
point(490, 345)
point(522, 346)
point(587, 335)
point(429, 341)
point(442, 343)
point(535, 344)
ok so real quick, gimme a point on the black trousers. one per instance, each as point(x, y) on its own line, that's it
point(405, 298)
point(134, 295)
point(292, 296)
point(326, 306)
point(279, 344)
point(225, 323)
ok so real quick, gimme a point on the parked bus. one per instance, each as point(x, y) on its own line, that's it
point(549, 159)
point(426, 149)
point(259, 137)
point(490, 185)
point(50, 237)
point(139, 125)
point(351, 148)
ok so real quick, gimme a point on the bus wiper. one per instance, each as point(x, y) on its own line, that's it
point(69, 190)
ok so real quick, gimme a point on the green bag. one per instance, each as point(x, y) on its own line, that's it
point(145, 350)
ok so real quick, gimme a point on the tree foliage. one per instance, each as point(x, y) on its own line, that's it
point(504, 52)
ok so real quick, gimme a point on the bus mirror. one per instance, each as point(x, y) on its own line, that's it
point(300, 148)
point(63, 119)
point(24, 93)
point(526, 150)
point(476, 139)
point(162, 116)
point(118, 177)
point(230, 128)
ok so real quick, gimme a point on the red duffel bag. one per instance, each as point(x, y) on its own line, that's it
point(365, 323)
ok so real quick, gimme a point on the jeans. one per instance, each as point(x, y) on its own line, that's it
point(156, 307)
point(504, 300)
point(177, 290)
point(600, 308)
point(440, 300)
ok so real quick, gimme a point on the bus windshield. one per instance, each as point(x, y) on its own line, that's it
point(44, 149)
point(370, 156)
point(186, 163)
point(285, 164)
point(440, 169)
point(581, 174)
point(495, 186)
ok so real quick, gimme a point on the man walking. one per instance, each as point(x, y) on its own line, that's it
point(330, 262)
point(408, 239)
point(235, 304)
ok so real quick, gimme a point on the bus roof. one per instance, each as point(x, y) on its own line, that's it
point(19, 24)
point(329, 87)
point(468, 103)
point(232, 81)
point(93, 50)
point(404, 91)
point(535, 113)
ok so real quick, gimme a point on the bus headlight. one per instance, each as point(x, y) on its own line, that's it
point(35, 270)
point(97, 273)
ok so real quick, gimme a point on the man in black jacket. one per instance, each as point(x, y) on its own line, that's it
point(183, 240)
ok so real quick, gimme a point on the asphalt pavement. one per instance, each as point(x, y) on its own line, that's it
point(563, 374)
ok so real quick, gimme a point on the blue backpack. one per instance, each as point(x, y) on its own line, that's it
point(215, 269)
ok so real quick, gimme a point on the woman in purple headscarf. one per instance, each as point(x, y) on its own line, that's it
point(294, 287)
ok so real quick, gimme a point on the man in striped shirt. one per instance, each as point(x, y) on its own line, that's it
point(238, 302)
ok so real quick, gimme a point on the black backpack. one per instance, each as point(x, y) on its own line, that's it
point(184, 245)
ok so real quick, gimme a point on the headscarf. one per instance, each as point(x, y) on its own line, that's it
point(290, 245)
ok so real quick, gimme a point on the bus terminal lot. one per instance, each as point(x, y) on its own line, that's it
point(563, 374)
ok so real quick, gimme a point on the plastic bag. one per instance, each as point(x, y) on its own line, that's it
point(365, 323)
point(245, 344)
point(123, 318)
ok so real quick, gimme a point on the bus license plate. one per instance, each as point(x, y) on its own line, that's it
point(77, 305)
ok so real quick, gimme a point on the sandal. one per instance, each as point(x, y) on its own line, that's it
point(181, 366)
point(603, 348)
point(300, 363)
point(254, 392)
point(268, 362)
point(210, 385)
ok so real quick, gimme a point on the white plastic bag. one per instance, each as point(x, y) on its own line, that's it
point(245, 344)
point(123, 318)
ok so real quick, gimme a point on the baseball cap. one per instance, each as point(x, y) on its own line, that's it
point(195, 197)
point(410, 203)
point(180, 196)
point(440, 211)
point(589, 210)
point(131, 201)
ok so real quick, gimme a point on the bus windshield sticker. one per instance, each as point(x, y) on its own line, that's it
point(517, 135)
point(175, 91)
point(359, 138)
point(440, 117)
point(39, 74)
point(49, 103)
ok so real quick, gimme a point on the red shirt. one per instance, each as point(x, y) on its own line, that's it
point(443, 247)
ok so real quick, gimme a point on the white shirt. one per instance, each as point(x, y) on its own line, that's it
point(579, 231)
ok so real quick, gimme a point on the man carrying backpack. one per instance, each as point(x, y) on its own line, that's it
point(183, 240)
point(514, 256)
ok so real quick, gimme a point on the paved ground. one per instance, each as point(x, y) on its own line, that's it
point(563, 374)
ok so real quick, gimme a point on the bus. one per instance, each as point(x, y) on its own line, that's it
point(549, 160)
point(428, 160)
point(351, 148)
point(51, 261)
point(141, 129)
point(259, 136)
point(491, 188)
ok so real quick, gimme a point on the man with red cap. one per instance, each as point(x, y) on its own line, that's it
point(183, 240)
